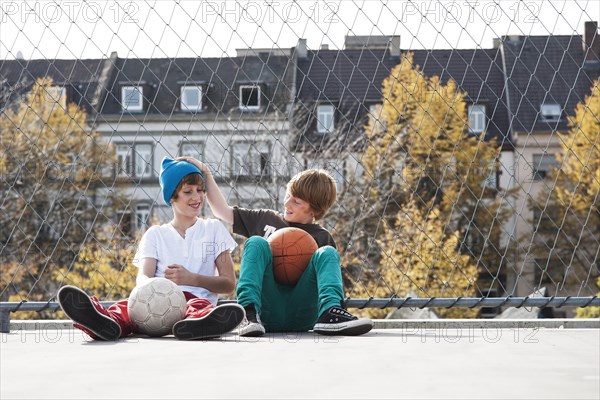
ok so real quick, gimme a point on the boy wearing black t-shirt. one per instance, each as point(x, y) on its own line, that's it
point(316, 301)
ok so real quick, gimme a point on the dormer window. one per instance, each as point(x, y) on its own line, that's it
point(325, 119)
point(58, 95)
point(477, 118)
point(191, 98)
point(250, 97)
point(132, 98)
point(550, 112)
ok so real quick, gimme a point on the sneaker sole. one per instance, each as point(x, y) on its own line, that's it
point(77, 306)
point(219, 321)
point(351, 328)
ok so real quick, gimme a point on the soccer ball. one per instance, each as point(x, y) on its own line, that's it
point(155, 306)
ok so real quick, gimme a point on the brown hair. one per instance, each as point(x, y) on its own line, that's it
point(190, 179)
point(316, 187)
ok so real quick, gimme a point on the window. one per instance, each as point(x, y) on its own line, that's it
point(477, 118)
point(123, 160)
point(550, 112)
point(542, 165)
point(58, 95)
point(192, 149)
point(251, 159)
point(132, 98)
point(124, 222)
point(143, 160)
point(325, 119)
point(142, 217)
point(134, 161)
point(482, 172)
point(132, 222)
point(376, 120)
point(491, 176)
point(191, 98)
point(249, 97)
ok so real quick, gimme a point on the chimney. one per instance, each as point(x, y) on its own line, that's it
point(110, 65)
point(371, 42)
point(591, 41)
point(324, 46)
point(395, 46)
point(301, 49)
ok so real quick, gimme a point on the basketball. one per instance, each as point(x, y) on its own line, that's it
point(292, 250)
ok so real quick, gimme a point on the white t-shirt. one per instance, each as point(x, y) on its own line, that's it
point(203, 243)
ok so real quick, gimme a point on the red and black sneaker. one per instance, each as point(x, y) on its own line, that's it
point(88, 314)
point(212, 324)
point(338, 321)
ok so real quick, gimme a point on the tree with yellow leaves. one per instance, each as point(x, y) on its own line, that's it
point(568, 228)
point(422, 162)
point(423, 259)
point(55, 206)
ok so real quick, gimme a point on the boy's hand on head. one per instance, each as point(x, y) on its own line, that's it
point(179, 275)
point(201, 166)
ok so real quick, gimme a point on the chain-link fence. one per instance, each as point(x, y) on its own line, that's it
point(463, 137)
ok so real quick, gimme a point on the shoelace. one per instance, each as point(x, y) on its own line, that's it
point(341, 311)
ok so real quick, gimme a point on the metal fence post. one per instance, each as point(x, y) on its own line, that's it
point(4, 321)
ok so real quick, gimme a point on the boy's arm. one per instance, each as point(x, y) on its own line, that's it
point(217, 202)
point(223, 283)
point(146, 270)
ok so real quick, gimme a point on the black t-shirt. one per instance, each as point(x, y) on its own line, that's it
point(264, 222)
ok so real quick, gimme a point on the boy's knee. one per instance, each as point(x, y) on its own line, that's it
point(327, 252)
point(256, 241)
point(255, 248)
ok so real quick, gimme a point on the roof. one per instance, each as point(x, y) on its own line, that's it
point(81, 76)
point(162, 79)
point(545, 70)
point(352, 80)
point(478, 72)
point(61, 71)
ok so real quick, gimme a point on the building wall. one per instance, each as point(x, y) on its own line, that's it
point(216, 145)
point(528, 145)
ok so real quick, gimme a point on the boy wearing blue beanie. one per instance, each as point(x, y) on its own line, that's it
point(188, 251)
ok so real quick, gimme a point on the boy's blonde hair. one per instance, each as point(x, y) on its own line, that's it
point(316, 187)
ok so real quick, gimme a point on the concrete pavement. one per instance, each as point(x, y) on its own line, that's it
point(523, 363)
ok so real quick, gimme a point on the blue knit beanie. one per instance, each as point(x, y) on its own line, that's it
point(171, 173)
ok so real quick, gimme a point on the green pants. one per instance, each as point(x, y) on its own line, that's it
point(289, 308)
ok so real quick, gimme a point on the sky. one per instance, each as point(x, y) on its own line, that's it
point(184, 28)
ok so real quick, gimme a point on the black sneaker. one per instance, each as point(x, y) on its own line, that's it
point(337, 321)
point(251, 326)
point(218, 321)
point(87, 314)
